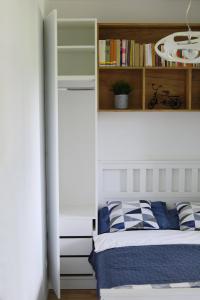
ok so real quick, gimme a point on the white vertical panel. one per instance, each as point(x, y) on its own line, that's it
point(188, 180)
point(142, 180)
point(162, 180)
point(115, 181)
point(156, 180)
point(52, 168)
point(175, 180)
point(198, 180)
point(129, 181)
point(181, 180)
point(136, 180)
point(195, 180)
point(169, 180)
point(77, 143)
point(149, 180)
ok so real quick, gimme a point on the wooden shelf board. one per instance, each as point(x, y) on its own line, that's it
point(147, 68)
point(119, 110)
point(148, 110)
point(146, 25)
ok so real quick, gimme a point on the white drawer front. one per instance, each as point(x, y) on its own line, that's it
point(75, 227)
point(75, 265)
point(75, 246)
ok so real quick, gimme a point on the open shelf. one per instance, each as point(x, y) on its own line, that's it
point(180, 81)
point(195, 90)
point(76, 47)
point(76, 63)
point(107, 78)
point(76, 32)
point(174, 81)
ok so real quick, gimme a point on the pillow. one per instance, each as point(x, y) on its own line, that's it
point(166, 219)
point(173, 219)
point(160, 212)
point(131, 215)
point(189, 215)
point(103, 220)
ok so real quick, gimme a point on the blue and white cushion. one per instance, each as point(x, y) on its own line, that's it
point(189, 215)
point(131, 215)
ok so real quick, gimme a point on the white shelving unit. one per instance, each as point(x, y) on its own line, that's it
point(71, 114)
point(76, 47)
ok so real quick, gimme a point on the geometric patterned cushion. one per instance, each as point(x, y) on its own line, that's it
point(189, 215)
point(131, 215)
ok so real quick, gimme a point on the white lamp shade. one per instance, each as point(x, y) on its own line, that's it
point(189, 45)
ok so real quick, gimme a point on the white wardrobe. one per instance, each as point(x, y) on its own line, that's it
point(71, 116)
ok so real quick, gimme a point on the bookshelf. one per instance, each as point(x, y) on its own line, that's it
point(182, 81)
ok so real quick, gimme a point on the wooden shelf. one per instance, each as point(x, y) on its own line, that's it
point(147, 68)
point(181, 81)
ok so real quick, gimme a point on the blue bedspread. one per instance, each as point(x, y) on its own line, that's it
point(146, 265)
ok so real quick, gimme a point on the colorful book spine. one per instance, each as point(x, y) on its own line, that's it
point(107, 51)
point(141, 55)
point(115, 52)
point(123, 53)
point(153, 52)
point(102, 52)
point(137, 55)
point(118, 53)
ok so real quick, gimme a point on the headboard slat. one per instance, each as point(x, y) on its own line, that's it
point(149, 179)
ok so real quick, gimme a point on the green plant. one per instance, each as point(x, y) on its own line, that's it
point(121, 88)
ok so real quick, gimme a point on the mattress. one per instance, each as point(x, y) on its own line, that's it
point(145, 238)
point(147, 259)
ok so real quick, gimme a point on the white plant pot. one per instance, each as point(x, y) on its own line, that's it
point(121, 101)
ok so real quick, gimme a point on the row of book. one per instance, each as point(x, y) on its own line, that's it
point(128, 53)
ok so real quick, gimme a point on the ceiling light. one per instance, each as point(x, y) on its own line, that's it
point(182, 47)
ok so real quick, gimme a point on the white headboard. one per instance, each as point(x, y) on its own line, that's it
point(169, 181)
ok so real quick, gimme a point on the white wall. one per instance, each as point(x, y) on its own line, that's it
point(126, 10)
point(140, 135)
point(149, 136)
point(22, 195)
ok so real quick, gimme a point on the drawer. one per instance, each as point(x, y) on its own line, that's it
point(75, 226)
point(75, 246)
point(75, 265)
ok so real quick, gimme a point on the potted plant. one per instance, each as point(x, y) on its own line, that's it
point(121, 89)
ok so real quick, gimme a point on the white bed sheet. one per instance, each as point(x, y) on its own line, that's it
point(144, 238)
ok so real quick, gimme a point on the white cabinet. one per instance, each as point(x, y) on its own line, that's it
point(71, 113)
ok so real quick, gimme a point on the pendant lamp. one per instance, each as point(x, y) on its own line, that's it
point(182, 47)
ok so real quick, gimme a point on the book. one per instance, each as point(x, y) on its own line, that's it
point(128, 52)
point(162, 59)
point(141, 55)
point(118, 53)
point(137, 55)
point(153, 52)
point(102, 52)
point(107, 52)
point(123, 51)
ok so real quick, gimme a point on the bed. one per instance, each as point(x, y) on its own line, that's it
point(148, 264)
